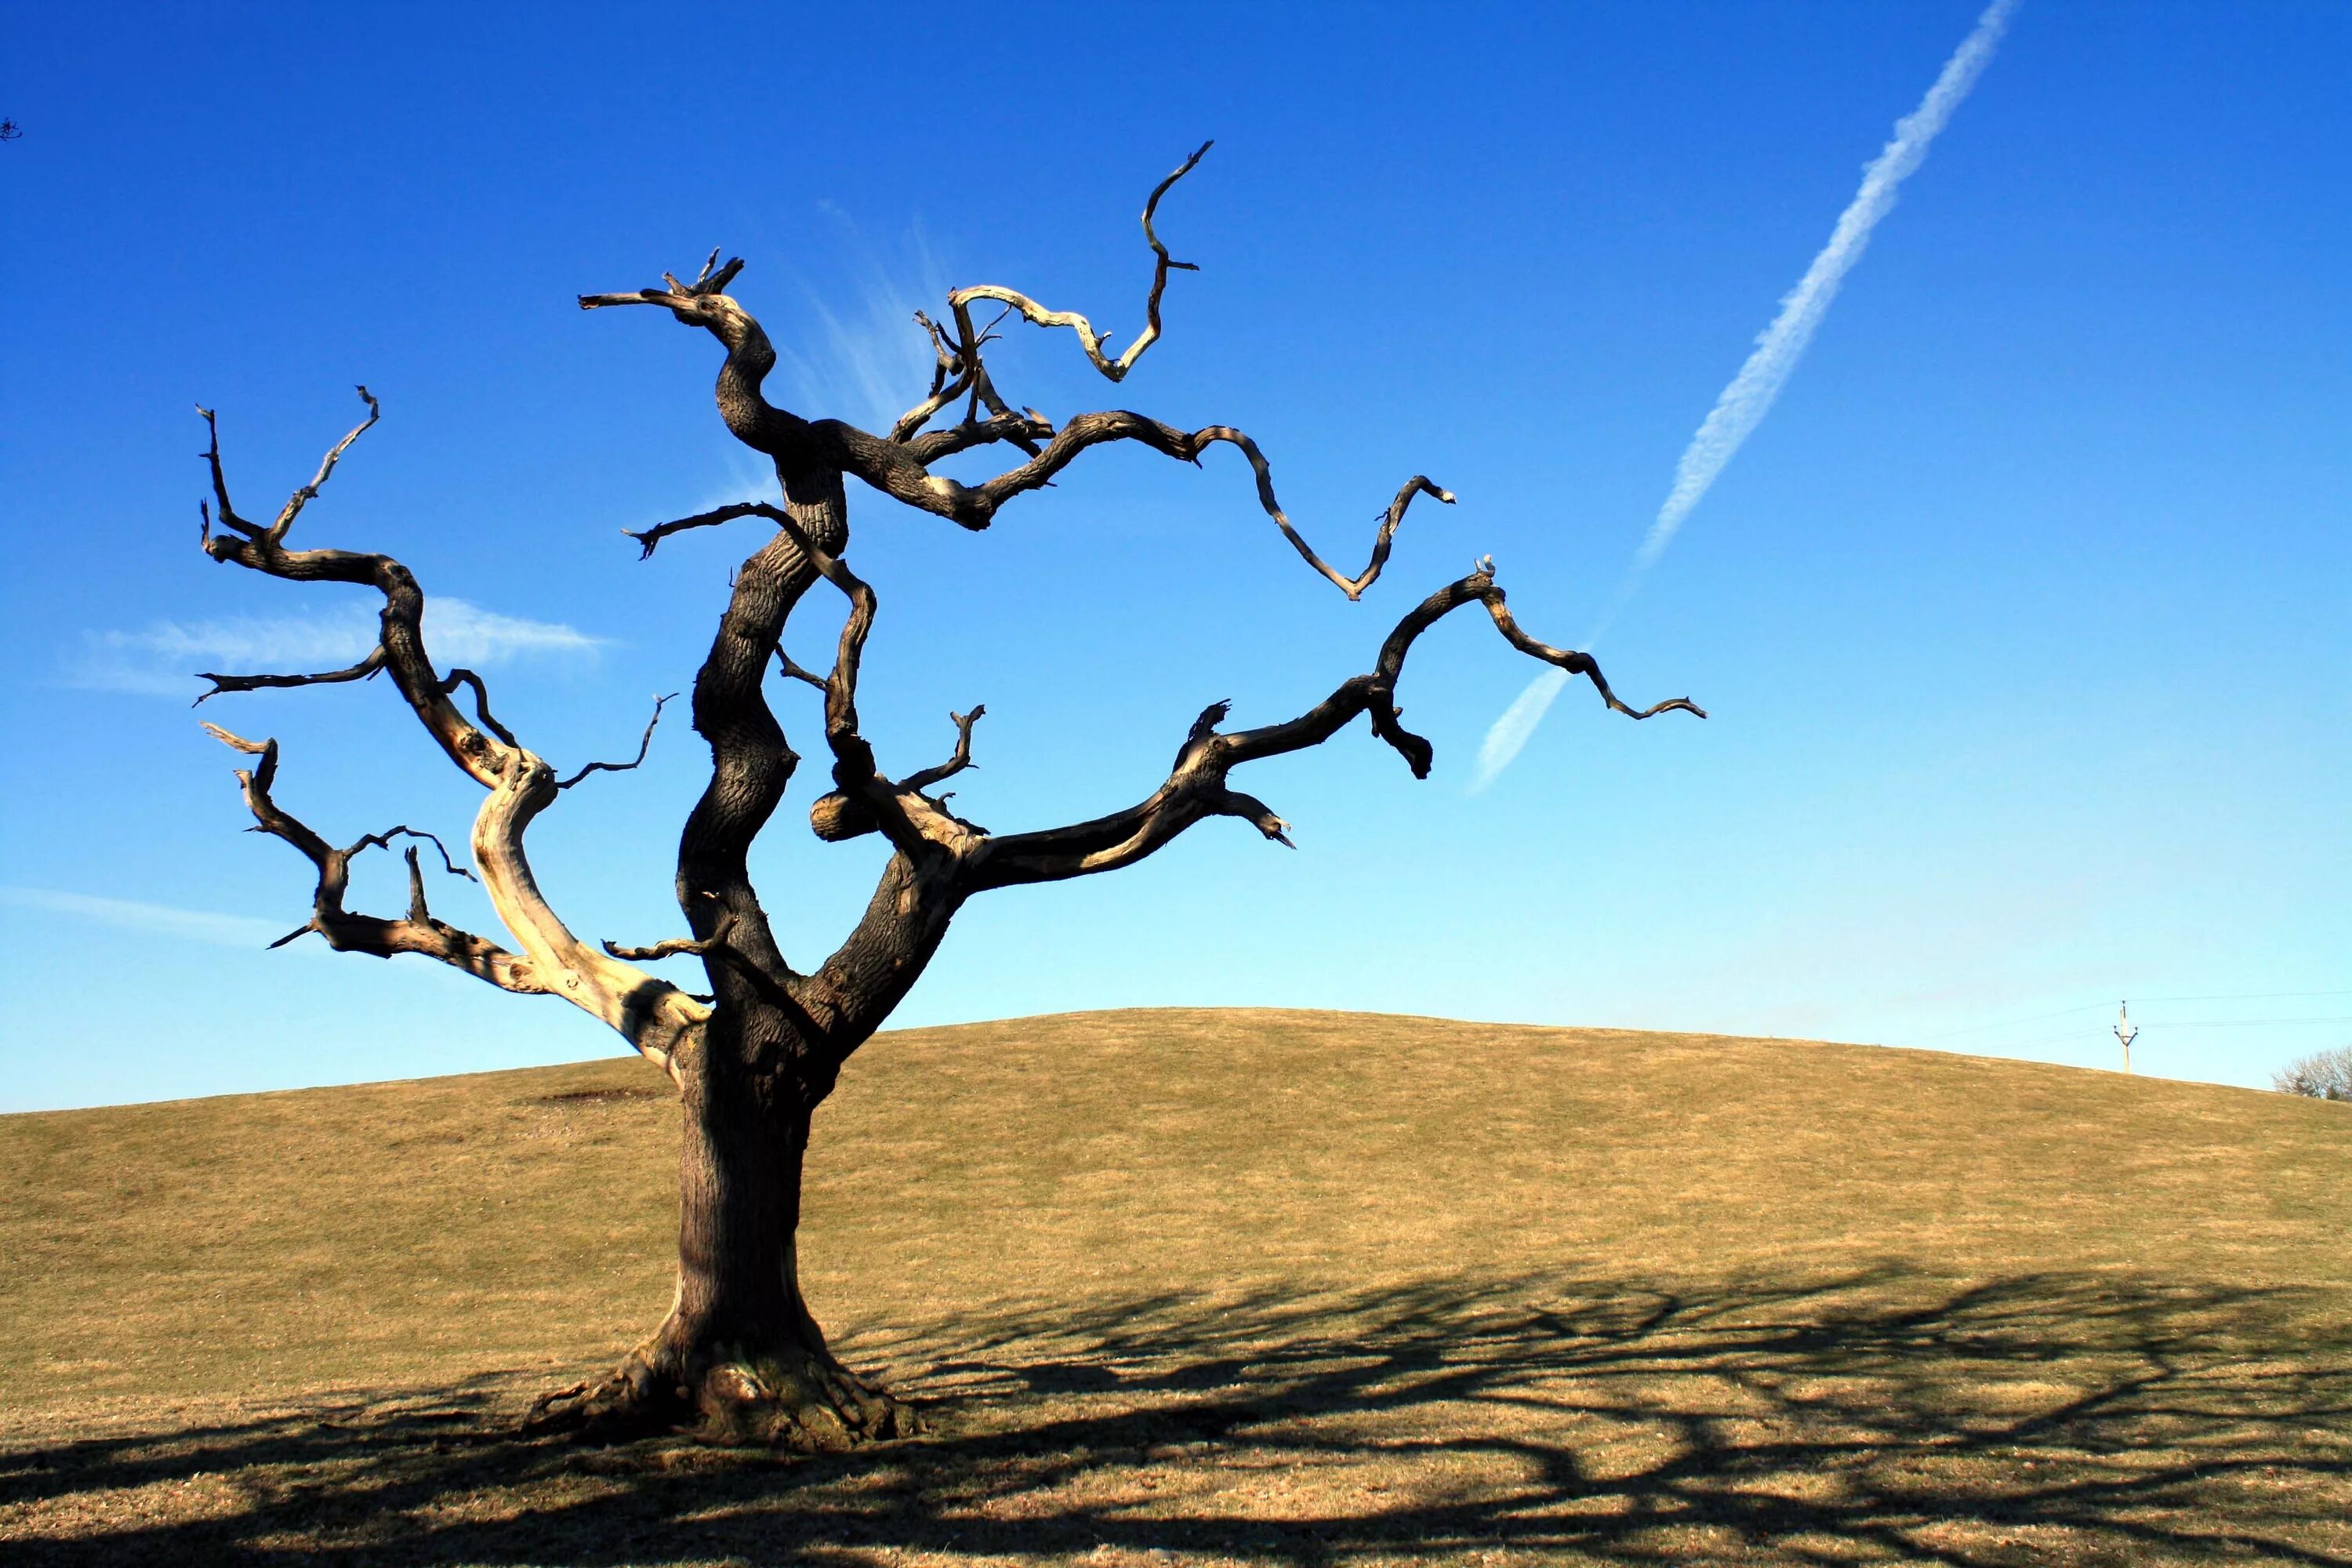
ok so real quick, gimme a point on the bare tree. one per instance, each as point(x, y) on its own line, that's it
point(2323, 1075)
point(738, 1355)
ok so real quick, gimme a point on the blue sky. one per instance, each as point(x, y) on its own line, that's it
point(2020, 617)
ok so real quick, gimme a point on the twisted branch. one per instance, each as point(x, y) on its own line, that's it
point(898, 465)
point(1420, 484)
point(1088, 338)
point(458, 677)
point(1086, 431)
point(645, 744)
point(654, 1015)
point(1196, 786)
point(956, 764)
point(348, 932)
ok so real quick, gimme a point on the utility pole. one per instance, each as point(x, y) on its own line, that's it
point(2127, 1031)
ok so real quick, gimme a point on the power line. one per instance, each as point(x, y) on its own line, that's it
point(2248, 1023)
point(2246, 996)
point(2186, 1024)
point(2093, 1007)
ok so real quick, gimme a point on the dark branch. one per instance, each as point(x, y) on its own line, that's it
point(793, 671)
point(400, 648)
point(645, 744)
point(1579, 663)
point(310, 492)
point(458, 677)
point(863, 800)
point(383, 841)
point(955, 763)
point(228, 518)
point(951, 377)
point(1096, 429)
point(365, 669)
point(348, 932)
point(708, 284)
point(897, 472)
point(648, 538)
point(856, 776)
point(1023, 429)
point(1196, 787)
point(718, 944)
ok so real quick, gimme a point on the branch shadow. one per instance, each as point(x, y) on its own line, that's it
point(1877, 1415)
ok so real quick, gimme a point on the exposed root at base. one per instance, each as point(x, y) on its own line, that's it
point(796, 1399)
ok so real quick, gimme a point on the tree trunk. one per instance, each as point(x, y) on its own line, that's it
point(740, 1358)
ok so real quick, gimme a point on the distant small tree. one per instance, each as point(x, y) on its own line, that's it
point(2323, 1075)
point(738, 1355)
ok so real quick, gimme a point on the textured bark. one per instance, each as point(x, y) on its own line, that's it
point(740, 1357)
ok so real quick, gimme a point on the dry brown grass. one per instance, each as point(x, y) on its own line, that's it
point(1223, 1286)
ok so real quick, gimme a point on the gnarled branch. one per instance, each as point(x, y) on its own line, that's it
point(863, 798)
point(458, 677)
point(898, 465)
point(651, 1014)
point(1092, 341)
point(956, 764)
point(975, 507)
point(348, 932)
point(1196, 786)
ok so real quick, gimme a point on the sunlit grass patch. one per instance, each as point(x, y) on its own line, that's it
point(1247, 1287)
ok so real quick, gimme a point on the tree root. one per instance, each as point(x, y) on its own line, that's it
point(795, 1398)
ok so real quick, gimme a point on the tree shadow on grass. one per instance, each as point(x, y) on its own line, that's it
point(1874, 1416)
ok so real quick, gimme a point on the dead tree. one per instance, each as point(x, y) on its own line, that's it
point(738, 1355)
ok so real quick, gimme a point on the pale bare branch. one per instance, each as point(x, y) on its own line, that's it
point(652, 1014)
point(348, 932)
point(310, 492)
point(1090, 340)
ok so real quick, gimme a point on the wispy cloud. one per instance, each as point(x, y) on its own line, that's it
point(159, 919)
point(868, 362)
point(161, 658)
point(1744, 403)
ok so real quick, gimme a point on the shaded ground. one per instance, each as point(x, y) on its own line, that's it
point(1199, 1287)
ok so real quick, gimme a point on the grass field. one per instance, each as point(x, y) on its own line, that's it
point(1245, 1286)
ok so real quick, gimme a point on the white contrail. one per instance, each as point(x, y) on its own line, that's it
point(1744, 403)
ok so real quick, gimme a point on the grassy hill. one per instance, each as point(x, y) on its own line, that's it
point(1263, 1286)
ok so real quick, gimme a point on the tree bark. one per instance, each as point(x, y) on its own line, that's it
point(740, 1357)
